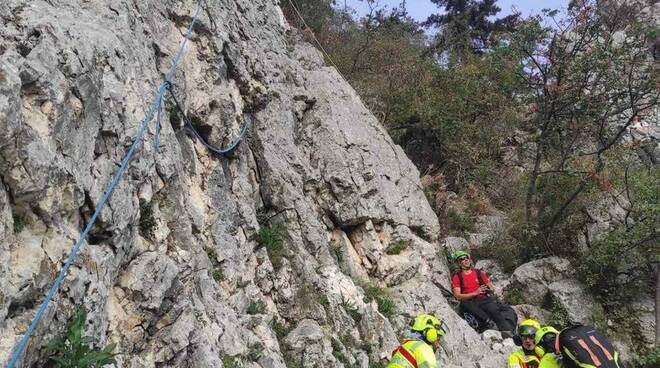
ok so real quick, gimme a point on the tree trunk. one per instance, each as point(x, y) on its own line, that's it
point(531, 188)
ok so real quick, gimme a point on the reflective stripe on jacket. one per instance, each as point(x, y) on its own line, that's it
point(421, 353)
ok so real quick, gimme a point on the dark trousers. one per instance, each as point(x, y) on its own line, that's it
point(485, 309)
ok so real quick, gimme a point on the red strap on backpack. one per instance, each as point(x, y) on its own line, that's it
point(593, 356)
point(406, 354)
point(607, 353)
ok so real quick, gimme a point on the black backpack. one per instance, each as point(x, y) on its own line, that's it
point(583, 346)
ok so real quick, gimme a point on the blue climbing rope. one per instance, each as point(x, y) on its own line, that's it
point(156, 104)
point(220, 151)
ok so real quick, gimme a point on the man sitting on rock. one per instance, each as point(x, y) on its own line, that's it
point(473, 290)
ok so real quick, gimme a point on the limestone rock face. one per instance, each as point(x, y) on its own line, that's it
point(604, 215)
point(454, 243)
point(575, 299)
point(200, 260)
point(551, 283)
point(532, 278)
point(487, 227)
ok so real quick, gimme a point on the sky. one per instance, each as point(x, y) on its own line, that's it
point(420, 9)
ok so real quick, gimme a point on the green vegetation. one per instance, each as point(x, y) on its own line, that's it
point(291, 361)
point(173, 114)
point(232, 361)
point(338, 352)
point(395, 248)
point(533, 120)
point(348, 341)
point(385, 303)
point(211, 253)
point(218, 275)
point(256, 307)
point(281, 329)
point(325, 303)
point(558, 314)
point(649, 359)
point(337, 251)
point(272, 238)
point(459, 223)
point(75, 350)
point(616, 265)
point(255, 352)
point(351, 310)
point(19, 223)
point(196, 121)
point(514, 296)
point(147, 223)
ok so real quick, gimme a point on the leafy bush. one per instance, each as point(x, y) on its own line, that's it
point(616, 266)
point(459, 223)
point(650, 359)
point(272, 238)
point(74, 350)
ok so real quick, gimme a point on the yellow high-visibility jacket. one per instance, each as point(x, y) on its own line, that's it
point(413, 354)
point(549, 360)
point(519, 359)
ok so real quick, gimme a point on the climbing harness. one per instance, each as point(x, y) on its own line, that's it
point(156, 105)
point(222, 152)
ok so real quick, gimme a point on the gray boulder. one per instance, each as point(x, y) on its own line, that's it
point(550, 283)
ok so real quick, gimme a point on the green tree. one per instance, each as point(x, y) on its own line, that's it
point(317, 14)
point(466, 27)
point(589, 82)
point(620, 265)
